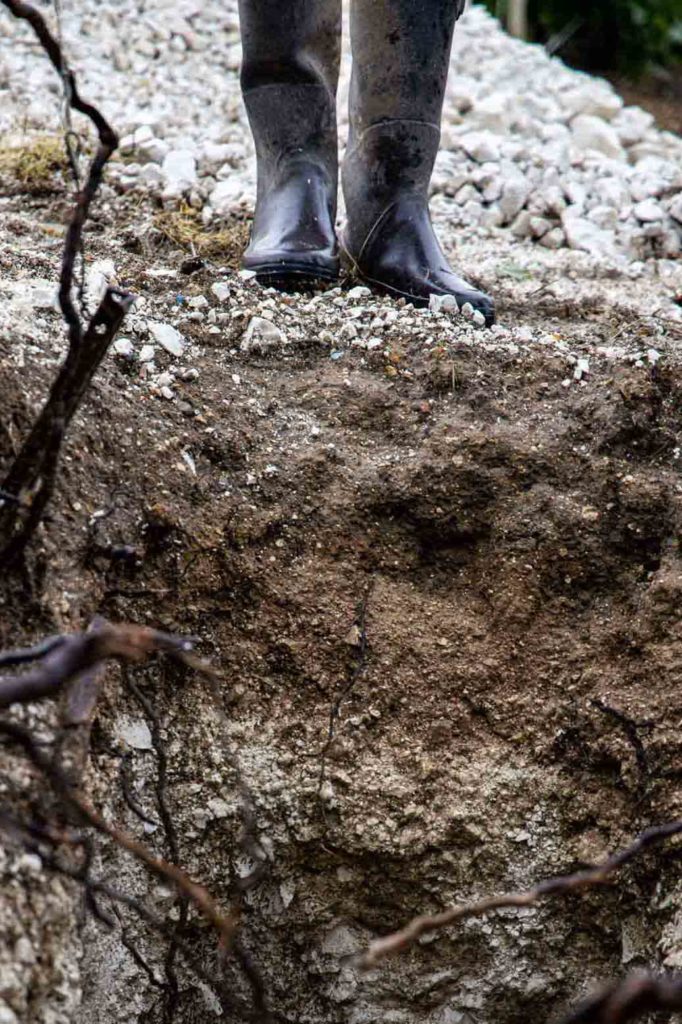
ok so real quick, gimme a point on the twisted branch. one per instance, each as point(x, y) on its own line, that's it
point(62, 658)
point(30, 482)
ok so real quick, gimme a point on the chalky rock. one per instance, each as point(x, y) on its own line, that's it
point(180, 173)
point(593, 99)
point(443, 303)
point(631, 125)
point(482, 146)
point(648, 210)
point(262, 335)
point(226, 196)
point(592, 133)
point(221, 291)
point(582, 233)
point(515, 192)
point(167, 337)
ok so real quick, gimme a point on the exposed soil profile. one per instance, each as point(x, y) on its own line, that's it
point(438, 568)
point(515, 543)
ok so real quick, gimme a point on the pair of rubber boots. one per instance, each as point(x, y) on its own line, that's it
point(401, 54)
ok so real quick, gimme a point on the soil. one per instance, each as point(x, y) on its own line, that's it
point(510, 546)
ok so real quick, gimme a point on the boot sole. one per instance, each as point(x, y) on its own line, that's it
point(293, 278)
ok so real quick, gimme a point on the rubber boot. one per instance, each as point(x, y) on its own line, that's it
point(289, 77)
point(401, 56)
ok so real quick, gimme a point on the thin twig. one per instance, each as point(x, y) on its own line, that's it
point(27, 836)
point(224, 924)
point(560, 885)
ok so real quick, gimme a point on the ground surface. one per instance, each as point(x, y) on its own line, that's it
point(501, 511)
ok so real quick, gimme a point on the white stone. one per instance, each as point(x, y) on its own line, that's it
point(465, 194)
point(521, 227)
point(443, 303)
point(359, 292)
point(146, 353)
point(151, 175)
point(226, 196)
point(632, 124)
point(262, 335)
point(136, 733)
point(130, 142)
point(581, 233)
point(539, 226)
point(604, 217)
point(481, 146)
point(648, 210)
point(198, 302)
point(124, 347)
point(221, 291)
point(515, 192)
point(593, 133)
point(101, 274)
point(492, 112)
point(180, 172)
point(592, 99)
point(167, 336)
point(462, 92)
point(554, 239)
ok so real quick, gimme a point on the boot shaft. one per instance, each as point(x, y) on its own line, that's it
point(401, 56)
point(290, 42)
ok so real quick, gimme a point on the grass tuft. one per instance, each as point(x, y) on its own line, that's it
point(35, 163)
point(183, 227)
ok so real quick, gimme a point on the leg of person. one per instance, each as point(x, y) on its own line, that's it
point(289, 77)
point(401, 57)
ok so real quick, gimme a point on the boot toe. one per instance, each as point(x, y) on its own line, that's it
point(481, 302)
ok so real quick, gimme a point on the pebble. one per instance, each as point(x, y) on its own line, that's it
point(167, 337)
point(221, 291)
point(443, 303)
point(591, 132)
point(179, 172)
point(124, 348)
point(135, 732)
point(648, 210)
point(262, 335)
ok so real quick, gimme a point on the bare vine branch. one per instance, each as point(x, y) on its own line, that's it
point(62, 658)
point(560, 885)
point(29, 483)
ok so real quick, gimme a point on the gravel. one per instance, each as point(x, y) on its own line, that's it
point(546, 184)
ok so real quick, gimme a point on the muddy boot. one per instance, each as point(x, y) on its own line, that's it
point(401, 56)
point(289, 77)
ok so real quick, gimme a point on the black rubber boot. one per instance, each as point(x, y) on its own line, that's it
point(289, 78)
point(401, 56)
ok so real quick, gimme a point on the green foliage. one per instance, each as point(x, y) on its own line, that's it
point(625, 35)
